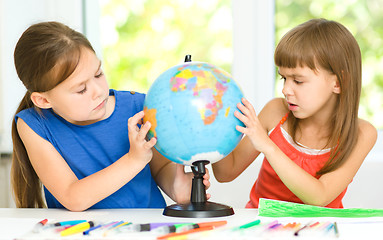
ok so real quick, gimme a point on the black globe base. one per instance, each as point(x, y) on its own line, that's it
point(198, 207)
point(198, 210)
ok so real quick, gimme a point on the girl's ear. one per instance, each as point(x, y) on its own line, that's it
point(336, 88)
point(40, 100)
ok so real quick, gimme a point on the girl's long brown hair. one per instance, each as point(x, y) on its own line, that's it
point(46, 54)
point(328, 44)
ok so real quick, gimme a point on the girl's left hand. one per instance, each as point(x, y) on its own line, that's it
point(183, 184)
point(254, 129)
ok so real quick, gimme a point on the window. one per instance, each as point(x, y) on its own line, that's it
point(143, 38)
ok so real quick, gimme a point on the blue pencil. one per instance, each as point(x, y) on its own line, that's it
point(67, 223)
point(91, 229)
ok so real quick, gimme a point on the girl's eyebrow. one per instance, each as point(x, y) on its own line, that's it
point(99, 66)
point(294, 75)
point(82, 82)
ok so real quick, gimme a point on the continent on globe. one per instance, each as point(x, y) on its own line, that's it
point(150, 115)
point(206, 84)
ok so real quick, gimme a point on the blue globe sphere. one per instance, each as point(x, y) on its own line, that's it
point(191, 108)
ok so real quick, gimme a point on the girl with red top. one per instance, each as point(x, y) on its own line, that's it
point(312, 139)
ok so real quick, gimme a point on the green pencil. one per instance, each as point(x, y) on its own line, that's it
point(247, 225)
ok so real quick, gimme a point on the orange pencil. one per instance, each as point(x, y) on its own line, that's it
point(214, 224)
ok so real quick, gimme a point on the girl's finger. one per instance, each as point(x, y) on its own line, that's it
point(206, 183)
point(208, 195)
point(248, 106)
point(133, 121)
point(144, 130)
point(241, 117)
point(243, 109)
point(132, 129)
point(207, 174)
point(150, 143)
point(246, 102)
point(137, 117)
point(242, 129)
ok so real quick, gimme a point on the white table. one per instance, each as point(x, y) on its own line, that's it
point(17, 223)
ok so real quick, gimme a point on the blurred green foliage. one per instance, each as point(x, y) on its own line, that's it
point(364, 19)
point(151, 36)
point(143, 38)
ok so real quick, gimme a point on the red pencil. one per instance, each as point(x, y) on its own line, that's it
point(314, 224)
point(39, 226)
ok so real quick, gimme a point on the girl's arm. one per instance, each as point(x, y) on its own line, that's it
point(172, 178)
point(244, 154)
point(310, 190)
point(236, 162)
point(78, 195)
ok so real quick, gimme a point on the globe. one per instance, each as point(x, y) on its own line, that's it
point(191, 110)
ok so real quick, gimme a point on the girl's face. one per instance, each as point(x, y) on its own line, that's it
point(82, 98)
point(309, 93)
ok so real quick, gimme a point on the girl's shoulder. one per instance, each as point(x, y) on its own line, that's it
point(273, 112)
point(127, 94)
point(124, 97)
point(367, 132)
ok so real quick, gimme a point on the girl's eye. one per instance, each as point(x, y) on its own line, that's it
point(297, 82)
point(99, 75)
point(82, 91)
point(283, 78)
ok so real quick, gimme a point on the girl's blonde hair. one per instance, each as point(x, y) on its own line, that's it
point(328, 44)
point(46, 54)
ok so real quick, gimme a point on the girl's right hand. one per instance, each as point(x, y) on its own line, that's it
point(140, 148)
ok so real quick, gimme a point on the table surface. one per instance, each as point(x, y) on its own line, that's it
point(16, 223)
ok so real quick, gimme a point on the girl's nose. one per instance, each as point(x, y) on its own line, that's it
point(97, 90)
point(286, 90)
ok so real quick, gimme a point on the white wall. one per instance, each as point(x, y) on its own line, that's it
point(253, 49)
point(365, 190)
point(15, 17)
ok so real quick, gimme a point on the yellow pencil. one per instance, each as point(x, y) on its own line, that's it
point(120, 225)
point(81, 227)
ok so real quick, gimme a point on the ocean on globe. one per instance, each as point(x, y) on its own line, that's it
point(191, 108)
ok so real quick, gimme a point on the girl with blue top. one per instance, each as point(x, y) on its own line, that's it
point(82, 141)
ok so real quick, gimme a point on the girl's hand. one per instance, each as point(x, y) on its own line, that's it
point(183, 184)
point(254, 129)
point(140, 148)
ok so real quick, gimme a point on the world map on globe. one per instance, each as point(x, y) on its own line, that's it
point(191, 110)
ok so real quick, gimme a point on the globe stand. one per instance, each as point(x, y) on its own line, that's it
point(198, 207)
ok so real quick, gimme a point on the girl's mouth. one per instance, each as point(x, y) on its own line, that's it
point(292, 107)
point(100, 105)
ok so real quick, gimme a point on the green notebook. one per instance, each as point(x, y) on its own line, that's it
point(275, 208)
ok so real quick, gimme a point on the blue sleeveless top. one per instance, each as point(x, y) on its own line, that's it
point(91, 148)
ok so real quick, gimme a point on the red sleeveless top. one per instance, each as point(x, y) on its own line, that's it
point(269, 185)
